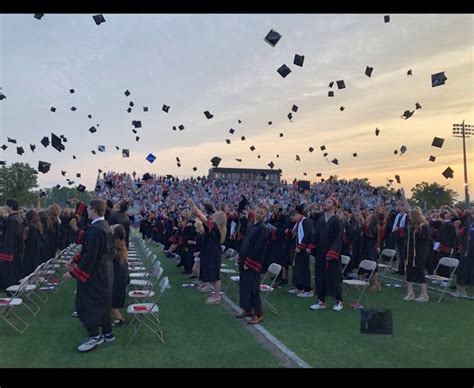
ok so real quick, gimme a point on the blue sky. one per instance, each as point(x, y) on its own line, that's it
point(220, 63)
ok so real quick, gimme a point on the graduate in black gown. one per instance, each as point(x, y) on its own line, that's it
point(370, 246)
point(93, 270)
point(250, 261)
point(11, 252)
point(303, 231)
point(121, 278)
point(465, 273)
point(447, 239)
point(54, 212)
point(211, 252)
point(121, 217)
point(327, 245)
point(398, 236)
point(47, 236)
point(33, 243)
point(189, 245)
point(67, 234)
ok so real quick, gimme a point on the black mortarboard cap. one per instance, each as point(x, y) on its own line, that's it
point(129, 110)
point(127, 93)
point(271, 165)
point(298, 61)
point(74, 156)
point(137, 123)
point(73, 108)
point(181, 127)
point(331, 84)
point(395, 152)
point(194, 168)
point(93, 152)
point(290, 116)
point(58, 186)
point(32, 147)
point(397, 177)
point(208, 114)
point(242, 138)
point(330, 93)
point(56, 143)
point(342, 108)
point(335, 161)
point(325, 154)
point(20, 151)
point(101, 148)
point(117, 148)
point(3, 162)
point(147, 176)
point(2, 96)
point(134, 131)
point(92, 129)
point(323, 147)
point(174, 128)
point(63, 173)
point(99, 19)
point(297, 158)
point(294, 108)
point(432, 158)
point(81, 188)
point(386, 18)
point(319, 174)
point(438, 79)
point(145, 109)
point(42, 194)
point(165, 108)
point(227, 141)
point(240, 121)
point(78, 175)
point(125, 153)
point(368, 71)
point(417, 105)
point(178, 164)
point(131, 104)
point(407, 114)
point(270, 123)
point(258, 156)
point(52, 109)
point(38, 15)
point(216, 161)
point(238, 160)
point(278, 156)
point(403, 149)
point(231, 131)
point(4, 147)
point(10, 140)
point(437, 142)
point(43, 167)
point(71, 91)
point(89, 116)
point(377, 131)
point(272, 38)
point(354, 154)
point(448, 173)
point(310, 149)
point(341, 84)
point(281, 134)
point(252, 148)
point(284, 70)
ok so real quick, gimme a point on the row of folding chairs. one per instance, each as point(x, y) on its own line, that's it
point(143, 290)
point(31, 291)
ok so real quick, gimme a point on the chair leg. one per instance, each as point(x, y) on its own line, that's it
point(4, 317)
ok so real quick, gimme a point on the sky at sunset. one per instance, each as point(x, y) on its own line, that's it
point(220, 63)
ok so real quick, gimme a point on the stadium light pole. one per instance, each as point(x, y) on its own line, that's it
point(464, 130)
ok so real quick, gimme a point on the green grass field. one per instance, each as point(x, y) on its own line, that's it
point(197, 335)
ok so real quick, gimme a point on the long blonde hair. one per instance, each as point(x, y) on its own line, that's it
point(220, 219)
point(416, 218)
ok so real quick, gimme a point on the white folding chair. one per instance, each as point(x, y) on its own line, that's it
point(146, 284)
point(345, 260)
point(273, 269)
point(356, 284)
point(452, 264)
point(147, 314)
point(389, 254)
point(7, 306)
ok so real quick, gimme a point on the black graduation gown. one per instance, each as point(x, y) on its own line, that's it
point(119, 288)
point(287, 246)
point(369, 244)
point(252, 255)
point(95, 276)
point(210, 253)
point(11, 253)
point(121, 218)
point(66, 233)
point(276, 238)
point(465, 274)
point(189, 234)
point(327, 252)
point(418, 250)
point(32, 254)
point(233, 225)
point(356, 245)
point(447, 242)
point(301, 271)
point(47, 251)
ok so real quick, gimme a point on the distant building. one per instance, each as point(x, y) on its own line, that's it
point(244, 174)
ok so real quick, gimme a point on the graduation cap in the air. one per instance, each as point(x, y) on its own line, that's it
point(341, 84)
point(271, 165)
point(63, 138)
point(20, 151)
point(117, 148)
point(99, 19)
point(52, 109)
point(281, 134)
point(81, 188)
point(432, 158)
point(330, 93)
point(43, 167)
point(294, 108)
point(145, 109)
point(38, 15)
point(342, 108)
point(395, 152)
point(325, 154)
point(284, 70)
point(194, 168)
point(101, 148)
point(4, 147)
point(386, 18)
point(71, 91)
point(270, 123)
point(74, 156)
point(2, 96)
point(99, 171)
point(208, 115)
point(272, 38)
point(146, 177)
point(335, 161)
point(331, 84)
point(239, 121)
point(3, 162)
point(290, 116)
point(323, 147)
point(137, 138)
point(125, 153)
point(178, 164)
point(242, 138)
point(93, 152)
point(137, 123)
point(32, 147)
point(438, 79)
point(73, 108)
point(448, 173)
point(409, 73)
point(403, 149)
point(368, 71)
point(277, 155)
point(354, 154)
point(258, 156)
point(238, 160)
point(151, 158)
point(377, 131)
point(437, 142)
point(134, 131)
point(57, 186)
point(216, 161)
point(417, 105)
point(63, 173)
point(252, 148)
point(227, 141)
point(319, 174)
point(42, 194)
point(131, 104)
point(92, 129)
point(397, 177)
point(297, 158)
point(78, 175)
point(181, 127)
point(89, 116)
point(10, 140)
point(127, 93)
point(310, 149)
point(231, 131)
point(298, 61)
point(129, 110)
point(177, 159)
point(56, 143)
point(165, 108)
point(407, 114)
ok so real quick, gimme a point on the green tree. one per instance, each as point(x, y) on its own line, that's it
point(64, 194)
point(432, 195)
point(18, 181)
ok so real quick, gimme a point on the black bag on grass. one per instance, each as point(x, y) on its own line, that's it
point(376, 321)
